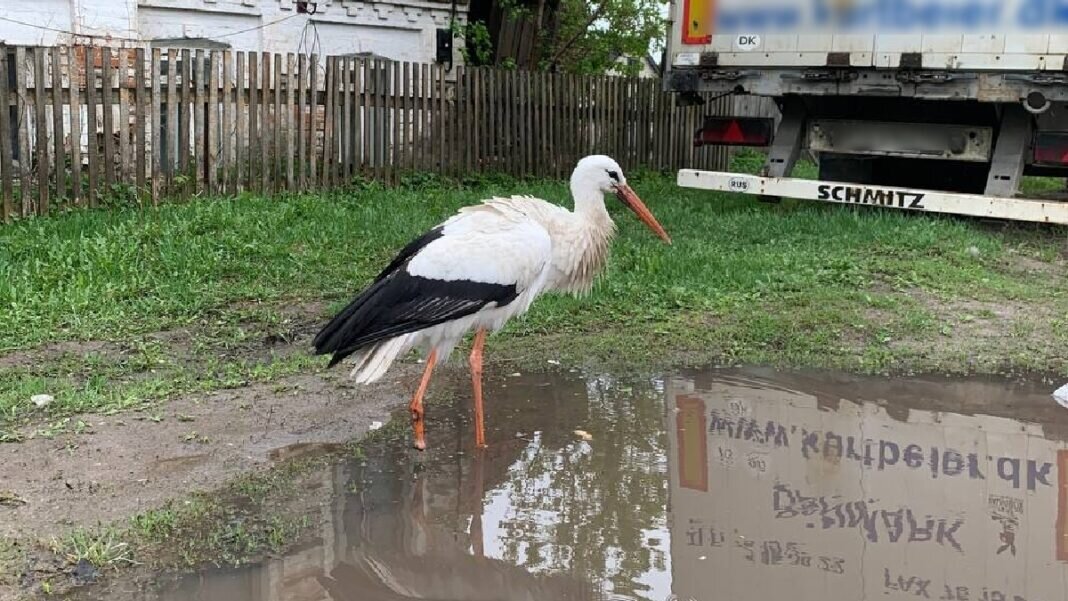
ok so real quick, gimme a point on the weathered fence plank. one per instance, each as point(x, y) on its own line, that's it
point(42, 130)
point(157, 129)
point(266, 131)
point(93, 143)
point(199, 125)
point(442, 131)
point(328, 120)
point(277, 145)
point(346, 118)
point(337, 149)
point(123, 75)
point(253, 122)
point(290, 114)
point(6, 163)
point(527, 134)
point(313, 119)
point(301, 109)
point(184, 117)
point(171, 162)
point(23, 112)
point(418, 80)
point(227, 184)
point(141, 99)
point(369, 110)
point(395, 127)
point(241, 139)
point(59, 152)
point(211, 136)
point(75, 129)
point(433, 158)
point(409, 139)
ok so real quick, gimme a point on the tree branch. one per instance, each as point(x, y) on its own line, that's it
point(593, 19)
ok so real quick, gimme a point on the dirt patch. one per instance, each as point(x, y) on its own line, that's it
point(1030, 265)
point(126, 464)
point(51, 353)
point(252, 335)
point(248, 328)
point(983, 335)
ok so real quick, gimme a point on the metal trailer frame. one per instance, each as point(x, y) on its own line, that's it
point(909, 199)
point(1023, 76)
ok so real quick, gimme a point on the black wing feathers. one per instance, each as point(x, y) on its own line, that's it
point(398, 302)
point(401, 304)
point(398, 261)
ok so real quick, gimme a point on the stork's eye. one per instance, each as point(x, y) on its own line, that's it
point(614, 175)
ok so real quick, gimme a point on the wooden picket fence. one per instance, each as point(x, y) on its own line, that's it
point(86, 126)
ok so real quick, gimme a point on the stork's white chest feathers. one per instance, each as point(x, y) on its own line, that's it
point(580, 241)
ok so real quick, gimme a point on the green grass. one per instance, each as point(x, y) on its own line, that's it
point(257, 513)
point(101, 392)
point(11, 556)
point(102, 548)
point(795, 283)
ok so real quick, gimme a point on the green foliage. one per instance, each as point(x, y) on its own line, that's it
point(478, 45)
point(591, 36)
point(576, 36)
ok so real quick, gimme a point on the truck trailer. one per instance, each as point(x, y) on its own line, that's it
point(923, 105)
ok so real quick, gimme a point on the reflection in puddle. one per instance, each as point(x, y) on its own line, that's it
point(788, 490)
point(742, 484)
point(302, 449)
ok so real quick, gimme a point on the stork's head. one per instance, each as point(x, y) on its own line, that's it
point(601, 175)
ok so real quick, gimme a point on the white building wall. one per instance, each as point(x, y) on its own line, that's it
point(399, 30)
point(47, 13)
point(47, 21)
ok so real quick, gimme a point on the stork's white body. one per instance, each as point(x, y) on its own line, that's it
point(535, 245)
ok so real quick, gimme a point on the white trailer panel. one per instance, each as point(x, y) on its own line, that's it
point(992, 35)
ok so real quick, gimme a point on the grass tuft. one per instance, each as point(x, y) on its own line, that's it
point(102, 548)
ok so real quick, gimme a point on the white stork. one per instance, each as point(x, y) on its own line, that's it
point(476, 271)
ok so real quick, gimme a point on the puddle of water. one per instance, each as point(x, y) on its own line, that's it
point(740, 484)
point(302, 449)
point(174, 465)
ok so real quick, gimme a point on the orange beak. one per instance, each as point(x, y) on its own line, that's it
point(629, 198)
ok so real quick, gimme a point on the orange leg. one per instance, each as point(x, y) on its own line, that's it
point(416, 406)
point(476, 384)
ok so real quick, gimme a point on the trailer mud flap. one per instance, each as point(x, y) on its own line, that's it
point(975, 205)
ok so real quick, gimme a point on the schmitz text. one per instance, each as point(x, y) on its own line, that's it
point(867, 196)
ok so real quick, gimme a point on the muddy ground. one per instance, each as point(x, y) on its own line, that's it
point(126, 465)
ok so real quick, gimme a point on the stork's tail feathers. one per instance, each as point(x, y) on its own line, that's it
point(372, 363)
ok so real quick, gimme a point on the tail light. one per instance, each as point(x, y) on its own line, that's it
point(1051, 148)
point(735, 131)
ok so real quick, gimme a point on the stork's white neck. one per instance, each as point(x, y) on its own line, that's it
point(583, 246)
point(589, 199)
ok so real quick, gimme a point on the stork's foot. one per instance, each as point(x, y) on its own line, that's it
point(418, 429)
point(416, 406)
